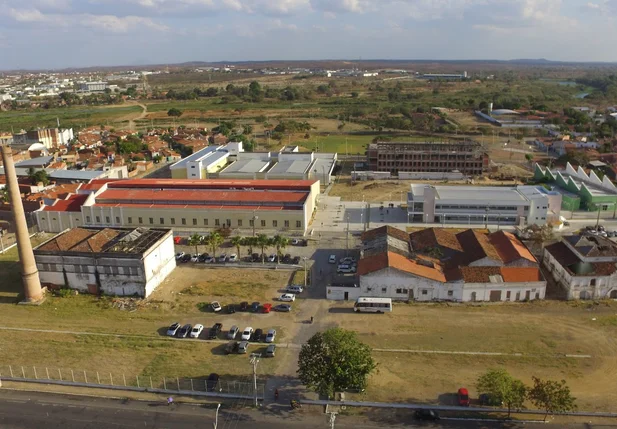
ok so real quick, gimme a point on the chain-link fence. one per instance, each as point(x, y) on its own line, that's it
point(89, 378)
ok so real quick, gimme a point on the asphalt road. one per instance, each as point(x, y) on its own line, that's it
point(27, 410)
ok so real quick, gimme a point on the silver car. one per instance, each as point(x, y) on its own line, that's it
point(270, 336)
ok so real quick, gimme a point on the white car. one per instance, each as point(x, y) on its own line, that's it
point(210, 260)
point(233, 258)
point(222, 258)
point(196, 331)
point(195, 257)
point(216, 307)
point(287, 297)
point(270, 336)
point(349, 260)
point(272, 258)
point(247, 333)
point(179, 255)
point(332, 259)
point(295, 242)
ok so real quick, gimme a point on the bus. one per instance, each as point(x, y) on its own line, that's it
point(373, 305)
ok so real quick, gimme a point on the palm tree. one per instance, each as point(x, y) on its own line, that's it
point(214, 240)
point(237, 241)
point(249, 242)
point(195, 240)
point(280, 243)
point(263, 241)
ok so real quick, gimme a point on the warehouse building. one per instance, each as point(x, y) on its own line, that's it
point(518, 205)
point(437, 264)
point(108, 261)
point(205, 161)
point(186, 205)
point(466, 157)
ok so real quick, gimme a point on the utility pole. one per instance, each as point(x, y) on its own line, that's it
point(347, 237)
point(305, 258)
point(254, 361)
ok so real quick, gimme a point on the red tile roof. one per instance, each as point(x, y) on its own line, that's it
point(72, 204)
point(434, 237)
point(213, 184)
point(198, 197)
point(401, 263)
point(476, 246)
point(510, 248)
point(508, 274)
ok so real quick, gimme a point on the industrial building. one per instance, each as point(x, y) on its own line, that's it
point(518, 205)
point(581, 191)
point(466, 157)
point(583, 266)
point(108, 261)
point(92, 86)
point(186, 205)
point(437, 264)
point(231, 162)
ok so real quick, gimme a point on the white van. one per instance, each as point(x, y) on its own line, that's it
point(345, 269)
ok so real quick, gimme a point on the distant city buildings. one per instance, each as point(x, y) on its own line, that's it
point(92, 86)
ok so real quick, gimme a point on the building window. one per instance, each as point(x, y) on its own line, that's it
point(194, 222)
point(183, 221)
point(98, 219)
point(217, 222)
point(275, 224)
point(228, 222)
point(117, 219)
point(151, 220)
point(87, 219)
point(450, 293)
point(593, 282)
point(384, 289)
point(162, 221)
point(251, 222)
point(130, 219)
point(239, 222)
point(173, 220)
point(298, 224)
point(107, 220)
point(402, 291)
point(286, 224)
point(507, 295)
point(424, 292)
point(205, 222)
point(263, 223)
point(141, 220)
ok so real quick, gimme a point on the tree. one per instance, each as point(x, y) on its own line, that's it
point(552, 396)
point(214, 240)
point(195, 240)
point(355, 94)
point(280, 243)
point(529, 157)
point(335, 360)
point(237, 241)
point(39, 176)
point(263, 241)
point(502, 388)
point(174, 112)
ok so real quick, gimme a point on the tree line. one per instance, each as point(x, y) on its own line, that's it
point(214, 240)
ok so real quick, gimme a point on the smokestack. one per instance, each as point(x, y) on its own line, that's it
point(29, 272)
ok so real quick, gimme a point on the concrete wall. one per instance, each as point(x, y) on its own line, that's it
point(517, 291)
point(337, 293)
point(423, 175)
point(58, 221)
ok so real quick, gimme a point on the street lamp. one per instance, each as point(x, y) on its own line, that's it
point(305, 258)
point(216, 416)
point(254, 222)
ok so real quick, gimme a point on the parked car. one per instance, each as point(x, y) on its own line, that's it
point(287, 259)
point(272, 258)
point(214, 331)
point(184, 331)
point(231, 347)
point(203, 257)
point(266, 308)
point(256, 257)
point(247, 333)
point(230, 309)
point(601, 228)
point(233, 258)
point(180, 255)
point(463, 397)
point(270, 336)
point(243, 347)
point(285, 308)
point(348, 260)
point(287, 297)
point(255, 307)
point(295, 289)
point(295, 242)
point(271, 350)
point(426, 415)
point(196, 331)
point(186, 258)
point(233, 331)
point(244, 306)
point(173, 329)
point(332, 259)
point(195, 257)
point(222, 258)
point(295, 260)
point(177, 240)
point(216, 306)
point(346, 269)
point(212, 382)
point(209, 260)
point(257, 335)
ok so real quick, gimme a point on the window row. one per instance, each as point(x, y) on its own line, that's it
point(194, 222)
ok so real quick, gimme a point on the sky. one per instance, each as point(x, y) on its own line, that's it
point(51, 34)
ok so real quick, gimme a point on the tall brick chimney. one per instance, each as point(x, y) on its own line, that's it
point(29, 272)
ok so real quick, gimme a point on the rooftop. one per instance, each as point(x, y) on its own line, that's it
point(246, 166)
point(291, 167)
point(577, 266)
point(103, 240)
point(229, 184)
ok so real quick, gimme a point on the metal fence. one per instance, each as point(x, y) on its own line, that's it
point(119, 380)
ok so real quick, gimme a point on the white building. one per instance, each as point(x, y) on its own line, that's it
point(92, 86)
point(438, 264)
point(110, 261)
point(519, 205)
point(584, 266)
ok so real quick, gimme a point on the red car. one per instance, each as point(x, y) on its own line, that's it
point(463, 397)
point(177, 240)
point(266, 308)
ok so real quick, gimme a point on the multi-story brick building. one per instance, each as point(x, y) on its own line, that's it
point(468, 157)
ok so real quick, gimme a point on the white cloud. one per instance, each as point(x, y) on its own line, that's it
point(26, 15)
point(115, 24)
point(338, 6)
